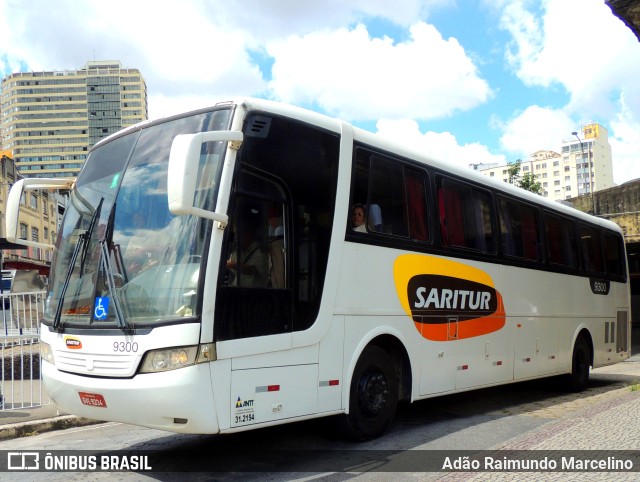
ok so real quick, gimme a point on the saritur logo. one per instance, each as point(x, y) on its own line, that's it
point(447, 300)
point(435, 298)
point(73, 343)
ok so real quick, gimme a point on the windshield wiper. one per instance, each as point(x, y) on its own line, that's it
point(108, 271)
point(111, 286)
point(87, 236)
point(83, 242)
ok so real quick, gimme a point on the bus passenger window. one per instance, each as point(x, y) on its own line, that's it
point(416, 205)
point(393, 196)
point(561, 241)
point(591, 242)
point(614, 255)
point(519, 231)
point(465, 216)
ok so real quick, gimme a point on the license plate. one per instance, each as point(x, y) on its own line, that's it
point(92, 399)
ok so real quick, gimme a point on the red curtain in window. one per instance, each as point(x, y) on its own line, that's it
point(451, 223)
point(417, 209)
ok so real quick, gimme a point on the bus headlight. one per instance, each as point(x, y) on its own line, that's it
point(46, 353)
point(169, 359)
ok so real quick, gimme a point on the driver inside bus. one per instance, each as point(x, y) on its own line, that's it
point(248, 263)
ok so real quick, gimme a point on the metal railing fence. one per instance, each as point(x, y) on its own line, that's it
point(20, 318)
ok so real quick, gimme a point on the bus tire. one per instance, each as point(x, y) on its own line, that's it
point(373, 396)
point(578, 379)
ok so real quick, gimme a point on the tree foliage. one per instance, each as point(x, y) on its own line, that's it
point(525, 181)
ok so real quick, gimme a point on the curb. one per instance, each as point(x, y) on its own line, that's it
point(27, 429)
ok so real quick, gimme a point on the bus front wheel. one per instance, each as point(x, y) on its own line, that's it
point(578, 379)
point(373, 396)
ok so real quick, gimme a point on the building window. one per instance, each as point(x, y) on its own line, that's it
point(23, 231)
point(35, 235)
point(33, 201)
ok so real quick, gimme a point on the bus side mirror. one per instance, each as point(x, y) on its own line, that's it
point(13, 205)
point(184, 162)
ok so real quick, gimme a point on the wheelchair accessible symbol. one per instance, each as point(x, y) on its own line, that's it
point(101, 308)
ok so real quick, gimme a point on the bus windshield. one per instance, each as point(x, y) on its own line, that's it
point(151, 274)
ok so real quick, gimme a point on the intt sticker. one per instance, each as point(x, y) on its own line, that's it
point(447, 300)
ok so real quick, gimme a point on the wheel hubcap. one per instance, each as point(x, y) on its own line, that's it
point(373, 393)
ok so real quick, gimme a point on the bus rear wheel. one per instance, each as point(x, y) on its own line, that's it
point(578, 379)
point(373, 396)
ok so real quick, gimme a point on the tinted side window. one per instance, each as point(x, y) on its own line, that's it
point(614, 255)
point(465, 216)
point(417, 214)
point(519, 230)
point(392, 194)
point(591, 243)
point(386, 195)
point(561, 241)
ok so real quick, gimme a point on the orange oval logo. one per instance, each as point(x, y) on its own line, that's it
point(448, 300)
point(72, 343)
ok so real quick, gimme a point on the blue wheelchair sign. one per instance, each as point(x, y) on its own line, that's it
point(101, 308)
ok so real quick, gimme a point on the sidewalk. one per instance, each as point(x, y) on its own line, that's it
point(610, 386)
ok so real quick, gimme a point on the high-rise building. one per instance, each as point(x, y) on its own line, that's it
point(584, 165)
point(50, 120)
point(589, 157)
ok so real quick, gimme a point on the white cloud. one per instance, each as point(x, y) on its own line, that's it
point(578, 44)
point(536, 128)
point(442, 146)
point(624, 144)
point(356, 77)
point(268, 20)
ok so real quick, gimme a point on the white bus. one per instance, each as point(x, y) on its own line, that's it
point(207, 277)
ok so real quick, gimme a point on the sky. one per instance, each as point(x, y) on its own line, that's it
point(465, 81)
